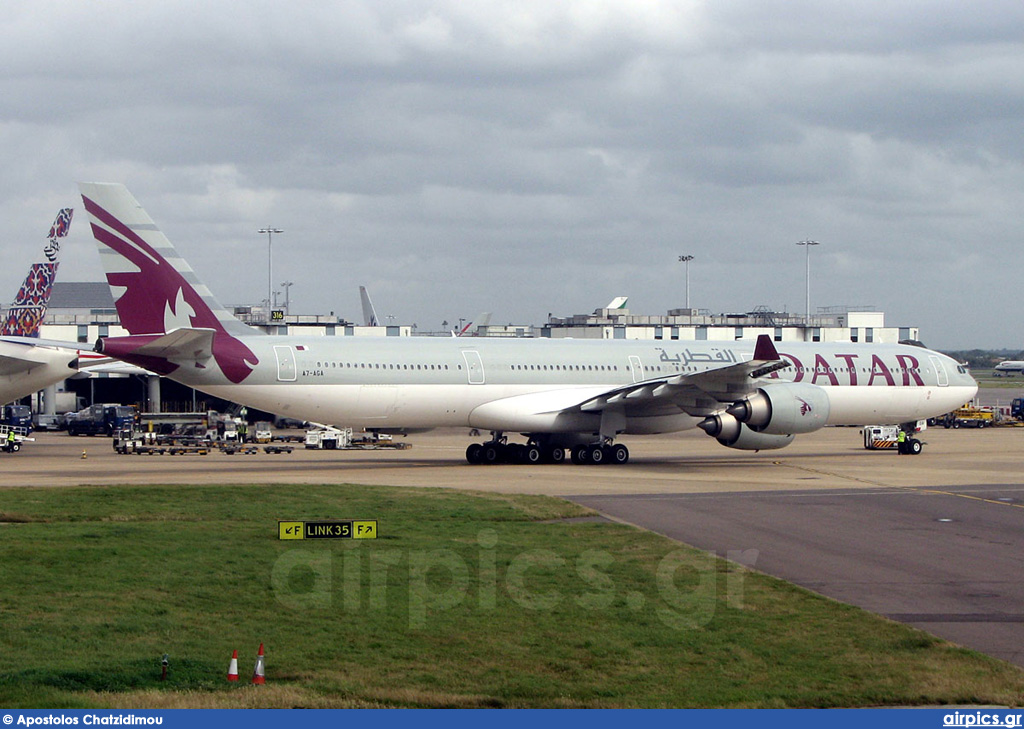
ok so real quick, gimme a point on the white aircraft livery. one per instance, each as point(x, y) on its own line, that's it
point(1009, 367)
point(560, 394)
point(369, 313)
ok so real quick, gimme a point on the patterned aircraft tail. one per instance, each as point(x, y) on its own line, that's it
point(29, 308)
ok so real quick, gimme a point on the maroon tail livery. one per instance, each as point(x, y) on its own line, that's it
point(156, 296)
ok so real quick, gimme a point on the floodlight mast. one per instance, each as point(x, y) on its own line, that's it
point(686, 259)
point(807, 247)
point(270, 265)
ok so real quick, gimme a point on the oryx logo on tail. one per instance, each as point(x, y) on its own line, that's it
point(154, 297)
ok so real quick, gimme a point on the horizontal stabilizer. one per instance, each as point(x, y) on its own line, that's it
point(176, 346)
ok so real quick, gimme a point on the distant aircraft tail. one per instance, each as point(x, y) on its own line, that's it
point(481, 320)
point(154, 289)
point(369, 315)
point(29, 308)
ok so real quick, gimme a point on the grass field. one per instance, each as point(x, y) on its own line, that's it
point(466, 600)
point(986, 379)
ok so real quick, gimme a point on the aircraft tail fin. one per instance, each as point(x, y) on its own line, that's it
point(369, 314)
point(481, 320)
point(29, 308)
point(154, 289)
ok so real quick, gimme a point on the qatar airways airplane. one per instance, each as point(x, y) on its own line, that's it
point(560, 394)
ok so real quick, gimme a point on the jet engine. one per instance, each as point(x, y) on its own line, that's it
point(783, 409)
point(733, 434)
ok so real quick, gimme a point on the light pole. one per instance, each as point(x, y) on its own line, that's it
point(287, 286)
point(807, 247)
point(270, 265)
point(686, 260)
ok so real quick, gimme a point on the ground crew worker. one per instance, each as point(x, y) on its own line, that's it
point(10, 440)
point(901, 441)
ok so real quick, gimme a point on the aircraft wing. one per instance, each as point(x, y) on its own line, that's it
point(26, 368)
point(16, 357)
point(698, 394)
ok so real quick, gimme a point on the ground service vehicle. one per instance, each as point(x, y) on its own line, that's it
point(328, 438)
point(103, 419)
point(17, 416)
point(882, 437)
point(968, 417)
point(261, 432)
point(12, 445)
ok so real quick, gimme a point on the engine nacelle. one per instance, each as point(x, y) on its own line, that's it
point(749, 440)
point(731, 433)
point(783, 409)
point(723, 426)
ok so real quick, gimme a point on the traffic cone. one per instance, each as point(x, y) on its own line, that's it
point(258, 678)
point(233, 666)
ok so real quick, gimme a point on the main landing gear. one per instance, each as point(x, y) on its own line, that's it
point(600, 453)
point(499, 450)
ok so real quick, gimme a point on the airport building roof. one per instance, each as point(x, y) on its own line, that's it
point(88, 304)
point(86, 295)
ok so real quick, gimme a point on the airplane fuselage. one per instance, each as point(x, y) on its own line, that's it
point(525, 384)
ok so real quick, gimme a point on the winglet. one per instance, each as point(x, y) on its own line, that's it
point(764, 350)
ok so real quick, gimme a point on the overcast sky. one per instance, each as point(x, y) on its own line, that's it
point(529, 158)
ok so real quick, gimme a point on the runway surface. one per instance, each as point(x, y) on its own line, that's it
point(933, 540)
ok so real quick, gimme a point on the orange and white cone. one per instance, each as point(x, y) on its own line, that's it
point(258, 678)
point(233, 666)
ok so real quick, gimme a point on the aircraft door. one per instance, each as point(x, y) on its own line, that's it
point(942, 379)
point(636, 367)
point(474, 366)
point(285, 363)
